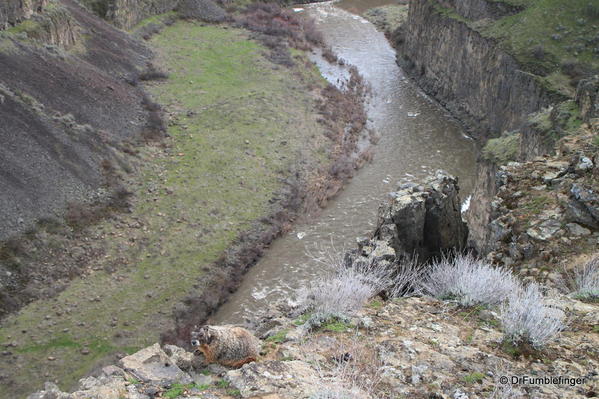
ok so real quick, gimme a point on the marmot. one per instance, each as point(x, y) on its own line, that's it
point(226, 345)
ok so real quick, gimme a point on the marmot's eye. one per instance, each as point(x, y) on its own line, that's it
point(195, 342)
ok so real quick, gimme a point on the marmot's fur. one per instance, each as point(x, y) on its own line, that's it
point(226, 345)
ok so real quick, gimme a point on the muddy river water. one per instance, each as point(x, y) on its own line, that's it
point(417, 138)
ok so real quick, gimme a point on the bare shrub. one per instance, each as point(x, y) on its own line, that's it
point(155, 128)
point(468, 280)
point(278, 28)
point(586, 280)
point(539, 52)
point(345, 290)
point(576, 70)
point(582, 280)
point(329, 55)
point(152, 73)
point(149, 30)
point(405, 279)
point(527, 318)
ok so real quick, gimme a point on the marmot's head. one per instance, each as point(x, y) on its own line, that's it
point(202, 336)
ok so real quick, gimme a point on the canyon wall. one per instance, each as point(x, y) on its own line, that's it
point(469, 74)
point(127, 13)
point(446, 47)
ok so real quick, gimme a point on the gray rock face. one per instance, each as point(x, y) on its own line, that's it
point(425, 223)
point(583, 206)
point(294, 379)
point(587, 96)
point(153, 365)
point(14, 11)
point(545, 231)
point(126, 13)
point(432, 51)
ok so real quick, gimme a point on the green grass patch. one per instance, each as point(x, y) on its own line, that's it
point(502, 149)
point(278, 337)
point(387, 18)
point(547, 33)
point(510, 348)
point(58, 342)
point(473, 378)
point(449, 12)
point(176, 390)
point(337, 326)
point(302, 319)
point(223, 384)
point(376, 304)
point(154, 19)
point(535, 204)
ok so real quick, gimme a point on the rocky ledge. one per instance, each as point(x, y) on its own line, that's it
point(409, 347)
point(416, 347)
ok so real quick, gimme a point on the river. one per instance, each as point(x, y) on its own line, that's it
point(417, 137)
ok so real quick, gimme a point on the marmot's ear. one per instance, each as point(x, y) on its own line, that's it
point(209, 336)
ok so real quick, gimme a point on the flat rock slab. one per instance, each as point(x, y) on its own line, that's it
point(153, 365)
point(275, 379)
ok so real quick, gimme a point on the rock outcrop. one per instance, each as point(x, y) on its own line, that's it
point(421, 220)
point(587, 96)
point(13, 12)
point(543, 211)
point(126, 13)
point(412, 347)
point(573, 162)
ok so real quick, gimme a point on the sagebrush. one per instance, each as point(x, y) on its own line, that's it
point(586, 280)
point(526, 317)
point(468, 280)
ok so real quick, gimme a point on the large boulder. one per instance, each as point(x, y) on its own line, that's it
point(152, 365)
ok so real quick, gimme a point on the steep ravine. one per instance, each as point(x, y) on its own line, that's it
point(517, 101)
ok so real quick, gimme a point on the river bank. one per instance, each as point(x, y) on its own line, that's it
point(234, 116)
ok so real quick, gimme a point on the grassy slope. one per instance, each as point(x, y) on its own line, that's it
point(544, 36)
point(389, 17)
point(238, 124)
point(565, 30)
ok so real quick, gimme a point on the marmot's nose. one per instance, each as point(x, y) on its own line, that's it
point(195, 342)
